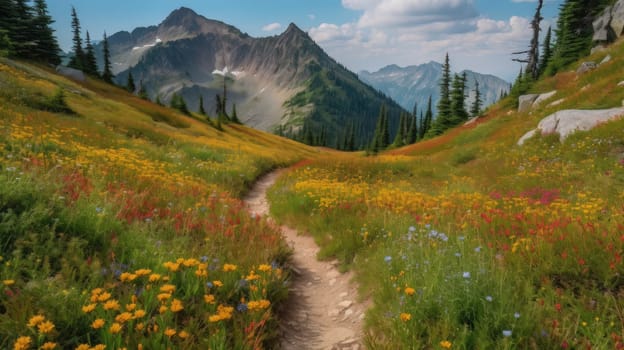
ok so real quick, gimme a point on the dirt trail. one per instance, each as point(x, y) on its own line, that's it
point(323, 312)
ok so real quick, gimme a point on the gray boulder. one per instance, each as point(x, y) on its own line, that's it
point(569, 121)
point(605, 60)
point(543, 97)
point(525, 102)
point(621, 84)
point(71, 73)
point(586, 67)
point(601, 26)
point(617, 18)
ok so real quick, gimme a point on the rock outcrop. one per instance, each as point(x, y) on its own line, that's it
point(528, 102)
point(569, 121)
point(71, 73)
point(586, 67)
point(610, 24)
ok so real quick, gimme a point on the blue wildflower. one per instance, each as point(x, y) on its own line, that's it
point(517, 315)
point(507, 333)
point(466, 274)
point(388, 258)
point(242, 307)
point(489, 298)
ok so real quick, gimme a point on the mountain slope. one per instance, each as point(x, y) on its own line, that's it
point(279, 80)
point(414, 84)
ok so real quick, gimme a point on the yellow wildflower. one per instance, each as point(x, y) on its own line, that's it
point(190, 262)
point(168, 288)
point(88, 308)
point(99, 347)
point(264, 267)
point(201, 273)
point(171, 266)
point(163, 296)
point(229, 267)
point(252, 276)
point(45, 327)
point(98, 323)
point(163, 309)
point(170, 332)
point(446, 344)
point(209, 298)
point(8, 282)
point(22, 343)
point(48, 346)
point(154, 277)
point(35, 320)
point(138, 314)
point(130, 307)
point(143, 272)
point(183, 334)
point(123, 317)
point(111, 305)
point(176, 305)
point(127, 277)
point(139, 327)
point(104, 296)
point(217, 283)
point(115, 328)
point(405, 317)
point(83, 347)
point(214, 318)
point(410, 291)
point(258, 305)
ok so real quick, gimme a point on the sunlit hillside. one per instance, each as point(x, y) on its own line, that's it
point(470, 241)
point(117, 213)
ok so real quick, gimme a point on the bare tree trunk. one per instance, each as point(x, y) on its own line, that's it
point(533, 59)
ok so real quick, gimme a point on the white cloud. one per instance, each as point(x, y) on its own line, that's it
point(271, 27)
point(410, 32)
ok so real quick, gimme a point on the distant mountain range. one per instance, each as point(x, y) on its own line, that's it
point(414, 84)
point(285, 80)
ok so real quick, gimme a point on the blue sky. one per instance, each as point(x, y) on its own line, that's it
point(361, 34)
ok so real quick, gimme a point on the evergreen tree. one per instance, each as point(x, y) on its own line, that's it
point(158, 100)
point(412, 131)
point(234, 116)
point(201, 110)
point(381, 136)
point(7, 27)
point(77, 61)
point(400, 138)
point(458, 99)
point(443, 120)
point(177, 102)
point(475, 110)
point(107, 74)
point(350, 138)
point(532, 60)
point(90, 66)
point(142, 91)
point(546, 51)
point(47, 48)
point(22, 34)
point(130, 86)
point(428, 121)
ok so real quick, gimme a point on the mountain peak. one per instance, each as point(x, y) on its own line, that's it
point(293, 30)
point(180, 16)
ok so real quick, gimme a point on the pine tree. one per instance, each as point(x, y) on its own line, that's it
point(428, 121)
point(400, 138)
point(7, 27)
point(234, 116)
point(177, 102)
point(143, 91)
point(201, 110)
point(475, 110)
point(458, 99)
point(350, 138)
point(380, 138)
point(47, 48)
point(22, 36)
point(77, 61)
point(90, 66)
point(532, 59)
point(443, 120)
point(412, 132)
point(130, 86)
point(107, 74)
point(546, 52)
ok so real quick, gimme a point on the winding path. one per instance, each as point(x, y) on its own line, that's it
point(322, 312)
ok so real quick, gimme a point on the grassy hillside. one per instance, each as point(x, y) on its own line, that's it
point(468, 241)
point(120, 223)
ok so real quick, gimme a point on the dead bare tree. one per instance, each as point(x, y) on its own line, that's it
point(532, 59)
